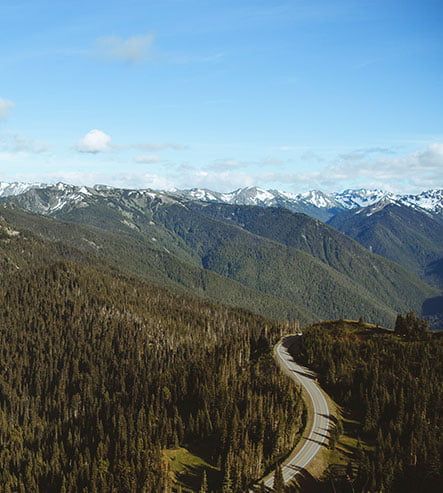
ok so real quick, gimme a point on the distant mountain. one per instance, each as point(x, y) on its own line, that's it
point(352, 199)
point(16, 188)
point(316, 203)
point(408, 235)
point(407, 229)
point(270, 260)
point(431, 201)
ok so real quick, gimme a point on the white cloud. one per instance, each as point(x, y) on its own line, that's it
point(232, 164)
point(223, 181)
point(94, 141)
point(131, 50)
point(364, 153)
point(148, 159)
point(311, 156)
point(271, 161)
point(414, 172)
point(5, 107)
point(8, 156)
point(90, 178)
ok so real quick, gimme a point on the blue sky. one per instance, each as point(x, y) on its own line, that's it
point(293, 95)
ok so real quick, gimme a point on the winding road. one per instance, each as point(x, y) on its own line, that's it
point(317, 435)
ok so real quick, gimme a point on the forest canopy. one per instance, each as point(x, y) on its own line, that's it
point(100, 373)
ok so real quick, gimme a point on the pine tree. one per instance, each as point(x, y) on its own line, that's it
point(279, 483)
point(204, 484)
point(227, 482)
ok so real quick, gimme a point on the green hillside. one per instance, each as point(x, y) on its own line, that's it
point(412, 238)
point(384, 280)
point(38, 240)
point(275, 262)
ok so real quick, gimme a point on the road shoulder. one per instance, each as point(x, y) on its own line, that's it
point(307, 477)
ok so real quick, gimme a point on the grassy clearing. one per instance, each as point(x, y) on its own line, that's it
point(187, 470)
point(337, 461)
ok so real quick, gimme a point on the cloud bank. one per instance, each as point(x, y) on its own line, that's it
point(158, 147)
point(409, 173)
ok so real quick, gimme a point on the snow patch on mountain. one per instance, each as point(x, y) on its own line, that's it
point(317, 199)
point(16, 188)
point(352, 199)
point(431, 200)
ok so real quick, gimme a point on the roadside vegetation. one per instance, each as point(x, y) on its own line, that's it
point(390, 388)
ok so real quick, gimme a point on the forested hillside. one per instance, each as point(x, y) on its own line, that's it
point(411, 237)
point(280, 264)
point(100, 373)
point(28, 239)
point(381, 280)
point(392, 382)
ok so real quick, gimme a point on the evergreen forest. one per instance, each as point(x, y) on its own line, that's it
point(392, 382)
point(100, 374)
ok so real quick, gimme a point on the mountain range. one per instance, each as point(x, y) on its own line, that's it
point(314, 203)
point(318, 204)
point(271, 260)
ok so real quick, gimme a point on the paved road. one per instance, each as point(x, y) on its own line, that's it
point(314, 438)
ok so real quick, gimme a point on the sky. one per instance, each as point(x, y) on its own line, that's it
point(292, 95)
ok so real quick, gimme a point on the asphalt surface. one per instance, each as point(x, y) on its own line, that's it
point(317, 436)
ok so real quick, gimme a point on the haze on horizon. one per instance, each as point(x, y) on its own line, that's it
point(291, 95)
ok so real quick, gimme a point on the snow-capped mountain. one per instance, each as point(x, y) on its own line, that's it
point(16, 188)
point(50, 200)
point(431, 200)
point(242, 196)
point(57, 197)
point(257, 196)
point(351, 199)
point(314, 203)
point(315, 198)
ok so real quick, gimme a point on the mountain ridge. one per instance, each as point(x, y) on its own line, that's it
point(314, 203)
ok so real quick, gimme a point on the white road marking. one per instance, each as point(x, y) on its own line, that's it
point(318, 433)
